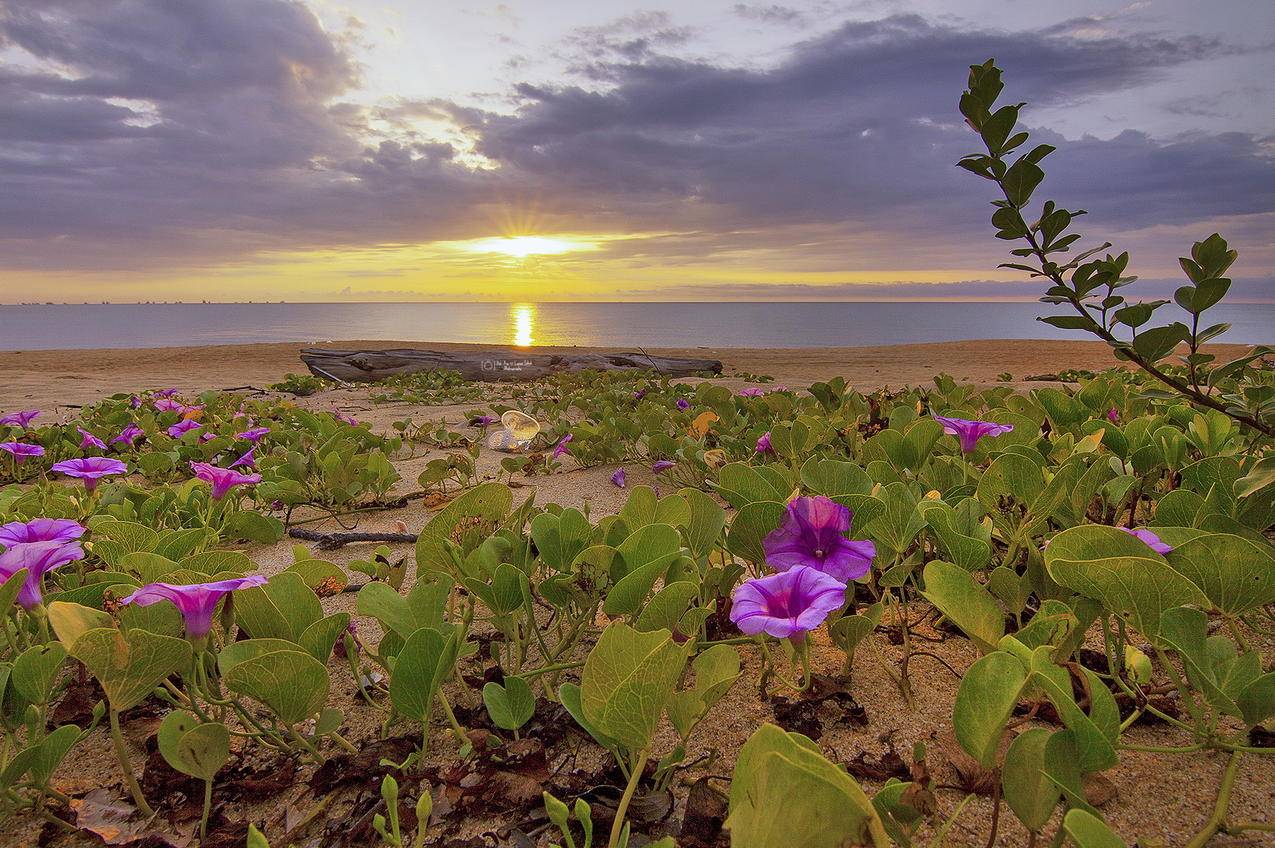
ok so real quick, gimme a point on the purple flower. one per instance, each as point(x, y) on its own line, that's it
point(207, 437)
point(222, 479)
point(813, 534)
point(254, 434)
point(128, 435)
point(164, 393)
point(167, 404)
point(183, 427)
point(483, 420)
point(970, 432)
point(21, 450)
point(618, 477)
point(1151, 540)
point(683, 404)
point(40, 530)
point(90, 469)
point(247, 459)
point(662, 466)
point(561, 448)
point(786, 605)
point(196, 602)
point(639, 394)
point(1113, 415)
point(21, 419)
point(763, 444)
point(88, 440)
point(38, 558)
point(135, 402)
point(348, 419)
point(751, 391)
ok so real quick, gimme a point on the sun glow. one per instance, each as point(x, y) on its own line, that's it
point(520, 247)
point(524, 316)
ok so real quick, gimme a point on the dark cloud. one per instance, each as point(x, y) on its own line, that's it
point(156, 134)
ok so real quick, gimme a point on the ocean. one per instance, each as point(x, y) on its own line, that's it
point(686, 325)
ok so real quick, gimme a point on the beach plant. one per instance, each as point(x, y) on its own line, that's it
point(1243, 388)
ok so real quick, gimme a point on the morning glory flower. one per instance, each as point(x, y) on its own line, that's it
point(38, 558)
point(763, 444)
point(40, 530)
point(683, 404)
point(1151, 540)
point(248, 459)
point(88, 440)
point(348, 419)
point(196, 602)
point(751, 391)
point(618, 477)
point(167, 404)
point(183, 427)
point(21, 450)
point(639, 394)
point(786, 605)
point(164, 393)
point(253, 434)
point(813, 534)
point(21, 419)
point(90, 469)
point(128, 435)
point(222, 479)
point(135, 402)
point(561, 448)
point(1113, 415)
point(970, 432)
point(483, 420)
point(662, 465)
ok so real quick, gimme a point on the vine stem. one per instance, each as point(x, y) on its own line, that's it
point(130, 780)
point(1217, 821)
point(617, 826)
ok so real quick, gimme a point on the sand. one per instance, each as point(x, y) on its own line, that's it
point(1158, 796)
point(47, 378)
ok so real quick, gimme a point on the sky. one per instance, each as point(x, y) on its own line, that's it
point(543, 150)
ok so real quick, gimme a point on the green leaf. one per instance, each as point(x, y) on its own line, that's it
point(1021, 180)
point(643, 558)
point(71, 621)
point(130, 666)
point(785, 794)
point(560, 538)
point(470, 518)
point(423, 606)
point(281, 609)
point(1235, 574)
point(752, 523)
point(1089, 831)
point(425, 661)
point(1121, 572)
point(984, 702)
point(192, 748)
point(570, 696)
point(35, 672)
point(666, 608)
point(1027, 791)
point(966, 603)
point(707, 520)
point(511, 705)
point(969, 552)
point(627, 680)
point(320, 638)
point(292, 684)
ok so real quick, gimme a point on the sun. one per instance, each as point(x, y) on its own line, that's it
point(520, 247)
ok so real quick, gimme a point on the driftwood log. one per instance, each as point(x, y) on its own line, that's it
point(488, 364)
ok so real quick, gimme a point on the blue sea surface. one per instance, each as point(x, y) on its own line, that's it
point(687, 325)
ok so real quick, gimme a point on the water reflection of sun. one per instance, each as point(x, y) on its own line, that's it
point(523, 316)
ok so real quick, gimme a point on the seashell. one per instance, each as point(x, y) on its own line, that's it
point(518, 431)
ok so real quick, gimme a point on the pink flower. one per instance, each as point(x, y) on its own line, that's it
point(254, 434)
point(38, 558)
point(128, 435)
point(348, 419)
point(662, 465)
point(561, 448)
point(21, 419)
point(969, 432)
point(248, 459)
point(222, 480)
point(40, 530)
point(135, 402)
point(21, 450)
point(196, 601)
point(167, 404)
point(1151, 540)
point(90, 469)
point(683, 404)
point(183, 427)
point(813, 534)
point(786, 605)
point(751, 391)
point(88, 440)
point(763, 444)
point(164, 393)
point(1113, 415)
point(618, 478)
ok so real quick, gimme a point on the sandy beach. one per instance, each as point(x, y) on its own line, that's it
point(47, 378)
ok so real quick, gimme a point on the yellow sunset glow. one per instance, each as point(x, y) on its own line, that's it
point(520, 247)
point(524, 316)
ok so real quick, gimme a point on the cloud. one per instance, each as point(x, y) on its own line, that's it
point(141, 135)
